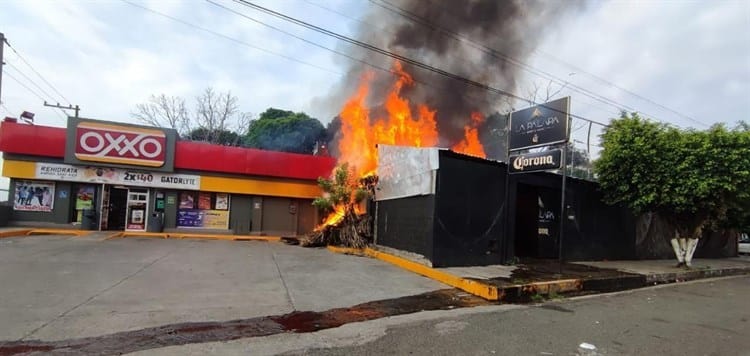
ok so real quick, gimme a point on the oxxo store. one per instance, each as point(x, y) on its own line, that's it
point(117, 176)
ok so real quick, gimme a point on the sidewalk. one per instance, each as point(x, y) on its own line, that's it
point(536, 279)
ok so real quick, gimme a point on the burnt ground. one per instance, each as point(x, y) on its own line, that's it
point(200, 332)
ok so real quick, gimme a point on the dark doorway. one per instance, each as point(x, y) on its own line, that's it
point(117, 208)
point(526, 241)
point(537, 224)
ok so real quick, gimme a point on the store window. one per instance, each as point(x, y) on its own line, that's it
point(203, 210)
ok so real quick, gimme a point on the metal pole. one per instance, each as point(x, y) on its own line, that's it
point(588, 150)
point(506, 214)
point(2, 46)
point(561, 234)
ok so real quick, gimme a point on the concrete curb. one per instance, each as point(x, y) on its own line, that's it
point(28, 232)
point(14, 233)
point(477, 288)
point(526, 292)
point(182, 235)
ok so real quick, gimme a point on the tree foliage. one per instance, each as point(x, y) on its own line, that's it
point(695, 179)
point(346, 223)
point(280, 130)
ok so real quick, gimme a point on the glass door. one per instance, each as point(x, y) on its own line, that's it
point(137, 209)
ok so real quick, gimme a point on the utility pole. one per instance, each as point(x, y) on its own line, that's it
point(69, 107)
point(2, 46)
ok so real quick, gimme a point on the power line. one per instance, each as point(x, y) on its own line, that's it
point(25, 86)
point(389, 29)
point(32, 92)
point(231, 38)
point(490, 51)
point(30, 80)
point(613, 85)
point(408, 14)
point(399, 57)
point(299, 37)
point(6, 109)
point(35, 71)
point(362, 61)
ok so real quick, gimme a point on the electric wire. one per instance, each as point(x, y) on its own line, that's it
point(402, 58)
point(218, 34)
point(30, 80)
point(32, 91)
point(36, 72)
point(587, 103)
point(492, 52)
point(577, 69)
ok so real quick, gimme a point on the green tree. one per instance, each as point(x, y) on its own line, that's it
point(696, 180)
point(222, 137)
point(280, 130)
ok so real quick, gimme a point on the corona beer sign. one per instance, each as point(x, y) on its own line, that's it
point(112, 144)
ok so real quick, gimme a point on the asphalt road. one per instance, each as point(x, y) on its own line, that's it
point(707, 317)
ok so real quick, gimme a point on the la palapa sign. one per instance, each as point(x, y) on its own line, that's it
point(533, 162)
point(540, 125)
point(112, 144)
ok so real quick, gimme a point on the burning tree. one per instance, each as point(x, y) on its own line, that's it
point(343, 200)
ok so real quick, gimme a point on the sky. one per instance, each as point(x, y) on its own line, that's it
point(687, 62)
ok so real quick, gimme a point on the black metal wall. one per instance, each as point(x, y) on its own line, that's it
point(407, 224)
point(593, 229)
point(468, 211)
point(463, 223)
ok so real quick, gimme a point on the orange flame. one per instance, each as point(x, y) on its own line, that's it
point(471, 145)
point(339, 211)
point(406, 124)
point(360, 134)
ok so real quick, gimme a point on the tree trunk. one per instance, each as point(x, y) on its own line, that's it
point(685, 243)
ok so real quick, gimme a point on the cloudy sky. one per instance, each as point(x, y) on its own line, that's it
point(687, 62)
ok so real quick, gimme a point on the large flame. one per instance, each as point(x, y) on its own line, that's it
point(471, 145)
point(406, 124)
point(403, 125)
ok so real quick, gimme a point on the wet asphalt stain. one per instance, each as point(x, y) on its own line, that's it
point(201, 332)
point(556, 308)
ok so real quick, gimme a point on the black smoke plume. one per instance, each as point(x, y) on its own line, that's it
point(476, 39)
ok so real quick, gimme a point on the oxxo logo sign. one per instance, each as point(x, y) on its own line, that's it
point(110, 143)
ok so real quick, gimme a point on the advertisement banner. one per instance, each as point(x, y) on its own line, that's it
point(31, 195)
point(539, 125)
point(204, 201)
point(222, 201)
point(206, 219)
point(534, 162)
point(85, 197)
point(70, 173)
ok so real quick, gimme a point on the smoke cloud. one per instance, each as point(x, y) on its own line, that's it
point(513, 28)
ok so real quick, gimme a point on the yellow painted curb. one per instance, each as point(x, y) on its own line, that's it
point(479, 289)
point(76, 233)
point(14, 233)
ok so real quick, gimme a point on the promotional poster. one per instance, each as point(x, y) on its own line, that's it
point(31, 195)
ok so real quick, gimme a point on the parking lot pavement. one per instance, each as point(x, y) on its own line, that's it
point(60, 287)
